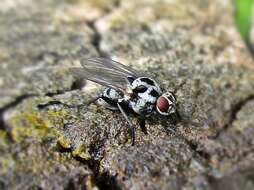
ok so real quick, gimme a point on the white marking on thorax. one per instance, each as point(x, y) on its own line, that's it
point(146, 95)
point(138, 82)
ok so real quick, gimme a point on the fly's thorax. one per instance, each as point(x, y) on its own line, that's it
point(146, 88)
point(145, 91)
point(143, 83)
point(150, 95)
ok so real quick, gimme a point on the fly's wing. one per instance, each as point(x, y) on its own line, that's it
point(109, 63)
point(105, 72)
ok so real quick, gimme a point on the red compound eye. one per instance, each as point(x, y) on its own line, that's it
point(162, 104)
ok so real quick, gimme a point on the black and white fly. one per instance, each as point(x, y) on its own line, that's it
point(127, 90)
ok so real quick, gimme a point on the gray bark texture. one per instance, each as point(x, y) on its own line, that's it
point(50, 139)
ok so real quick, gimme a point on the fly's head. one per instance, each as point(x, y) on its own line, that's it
point(166, 104)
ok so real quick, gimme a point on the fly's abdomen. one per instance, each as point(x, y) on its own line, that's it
point(109, 98)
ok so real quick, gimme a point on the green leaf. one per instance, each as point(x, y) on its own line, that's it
point(244, 13)
point(243, 17)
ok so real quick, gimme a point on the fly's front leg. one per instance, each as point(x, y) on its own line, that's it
point(142, 124)
point(130, 125)
point(178, 116)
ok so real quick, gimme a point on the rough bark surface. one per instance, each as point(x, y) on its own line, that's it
point(50, 139)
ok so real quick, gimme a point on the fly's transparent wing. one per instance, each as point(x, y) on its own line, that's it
point(83, 73)
point(109, 63)
point(105, 72)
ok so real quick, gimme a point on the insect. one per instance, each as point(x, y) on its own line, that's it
point(127, 90)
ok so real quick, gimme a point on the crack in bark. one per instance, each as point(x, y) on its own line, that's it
point(234, 111)
point(233, 116)
point(13, 104)
point(200, 153)
point(77, 84)
point(97, 39)
point(103, 180)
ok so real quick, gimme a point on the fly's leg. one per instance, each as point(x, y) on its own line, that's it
point(178, 116)
point(57, 103)
point(142, 124)
point(131, 127)
point(175, 117)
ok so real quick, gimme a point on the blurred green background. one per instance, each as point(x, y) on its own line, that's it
point(244, 15)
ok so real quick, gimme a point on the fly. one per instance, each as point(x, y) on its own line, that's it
point(127, 90)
